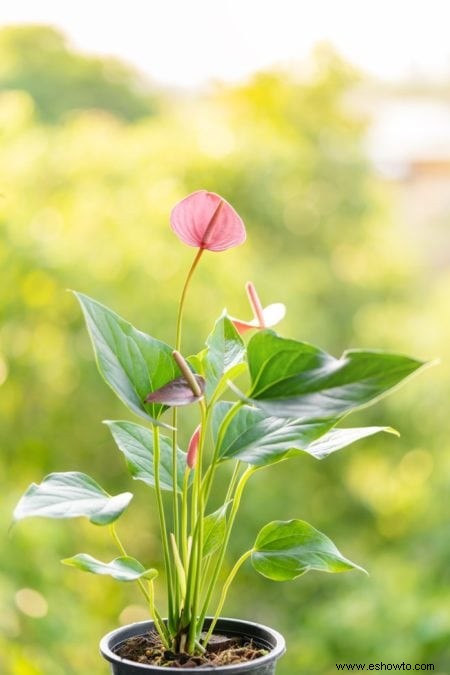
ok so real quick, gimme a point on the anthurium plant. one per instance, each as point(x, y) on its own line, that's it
point(294, 398)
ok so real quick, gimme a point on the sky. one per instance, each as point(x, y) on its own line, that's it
point(191, 42)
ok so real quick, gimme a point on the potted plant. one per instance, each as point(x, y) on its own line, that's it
point(295, 397)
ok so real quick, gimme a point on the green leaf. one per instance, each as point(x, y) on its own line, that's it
point(136, 443)
point(285, 550)
point(132, 363)
point(255, 438)
point(122, 569)
point(336, 439)
point(225, 350)
point(71, 495)
point(214, 527)
point(297, 380)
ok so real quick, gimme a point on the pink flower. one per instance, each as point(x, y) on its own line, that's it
point(264, 317)
point(191, 457)
point(206, 220)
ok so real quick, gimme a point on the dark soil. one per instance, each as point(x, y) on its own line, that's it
point(221, 651)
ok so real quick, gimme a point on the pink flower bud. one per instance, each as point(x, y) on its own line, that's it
point(191, 457)
point(205, 220)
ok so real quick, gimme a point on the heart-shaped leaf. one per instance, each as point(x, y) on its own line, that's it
point(337, 439)
point(131, 362)
point(297, 380)
point(123, 568)
point(71, 495)
point(285, 550)
point(256, 438)
point(136, 443)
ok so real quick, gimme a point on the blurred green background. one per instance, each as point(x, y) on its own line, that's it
point(91, 162)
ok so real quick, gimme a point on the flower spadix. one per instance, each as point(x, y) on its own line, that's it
point(263, 317)
point(205, 220)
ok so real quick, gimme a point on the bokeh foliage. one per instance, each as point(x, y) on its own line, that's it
point(40, 61)
point(84, 204)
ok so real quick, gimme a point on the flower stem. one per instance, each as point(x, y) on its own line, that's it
point(120, 546)
point(148, 595)
point(183, 297)
point(190, 581)
point(179, 567)
point(176, 523)
point(159, 623)
point(223, 595)
point(184, 518)
point(234, 509)
point(196, 521)
point(233, 480)
point(175, 505)
point(115, 536)
point(162, 522)
point(198, 534)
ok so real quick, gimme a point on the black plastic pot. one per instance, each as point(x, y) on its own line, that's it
point(264, 637)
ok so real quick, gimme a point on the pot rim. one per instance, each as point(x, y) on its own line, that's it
point(275, 652)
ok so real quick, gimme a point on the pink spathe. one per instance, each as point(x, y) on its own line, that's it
point(205, 220)
point(264, 317)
